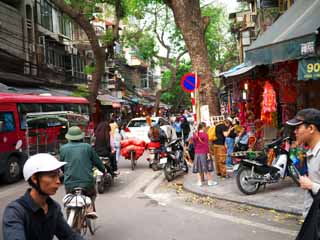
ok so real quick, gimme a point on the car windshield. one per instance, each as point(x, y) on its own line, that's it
point(139, 123)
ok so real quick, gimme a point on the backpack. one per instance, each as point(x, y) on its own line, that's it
point(212, 132)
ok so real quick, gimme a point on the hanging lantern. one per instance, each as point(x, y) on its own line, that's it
point(269, 103)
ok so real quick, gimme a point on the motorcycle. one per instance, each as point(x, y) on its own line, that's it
point(154, 155)
point(254, 172)
point(174, 162)
point(103, 180)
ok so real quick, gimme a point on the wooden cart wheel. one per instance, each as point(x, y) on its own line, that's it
point(133, 161)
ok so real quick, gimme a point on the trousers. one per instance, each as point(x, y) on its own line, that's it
point(219, 152)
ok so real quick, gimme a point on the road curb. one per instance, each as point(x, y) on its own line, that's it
point(157, 180)
point(289, 210)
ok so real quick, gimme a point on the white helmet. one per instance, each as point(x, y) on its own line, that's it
point(41, 162)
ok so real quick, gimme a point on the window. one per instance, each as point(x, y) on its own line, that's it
point(138, 123)
point(72, 107)
point(23, 109)
point(7, 123)
point(45, 17)
point(52, 107)
point(85, 110)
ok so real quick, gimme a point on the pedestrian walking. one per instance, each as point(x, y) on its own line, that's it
point(202, 164)
point(185, 128)
point(177, 127)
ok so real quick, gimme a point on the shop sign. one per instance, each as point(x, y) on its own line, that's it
point(307, 48)
point(309, 69)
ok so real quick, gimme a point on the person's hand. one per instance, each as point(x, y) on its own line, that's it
point(305, 182)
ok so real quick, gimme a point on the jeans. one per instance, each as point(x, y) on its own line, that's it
point(117, 153)
point(230, 145)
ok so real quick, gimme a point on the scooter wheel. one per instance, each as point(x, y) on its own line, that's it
point(168, 172)
point(243, 184)
point(100, 187)
point(154, 167)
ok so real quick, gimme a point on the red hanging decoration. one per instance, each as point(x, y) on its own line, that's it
point(269, 103)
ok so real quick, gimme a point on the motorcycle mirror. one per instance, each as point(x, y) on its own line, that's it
point(18, 144)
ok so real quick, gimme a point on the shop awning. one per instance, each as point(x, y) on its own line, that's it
point(107, 99)
point(292, 36)
point(237, 70)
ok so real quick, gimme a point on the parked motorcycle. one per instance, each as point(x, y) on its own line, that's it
point(174, 162)
point(252, 173)
point(104, 180)
point(154, 155)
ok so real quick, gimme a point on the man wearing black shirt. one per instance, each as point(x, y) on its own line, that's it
point(36, 216)
point(219, 150)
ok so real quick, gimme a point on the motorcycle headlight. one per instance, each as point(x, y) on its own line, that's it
point(169, 149)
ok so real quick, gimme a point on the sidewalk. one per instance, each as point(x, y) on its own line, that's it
point(284, 196)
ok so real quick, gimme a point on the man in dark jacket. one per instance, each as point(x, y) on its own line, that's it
point(35, 215)
point(80, 158)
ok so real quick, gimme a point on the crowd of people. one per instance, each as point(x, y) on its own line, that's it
point(212, 147)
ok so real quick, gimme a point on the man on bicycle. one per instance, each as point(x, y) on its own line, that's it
point(80, 158)
point(35, 215)
point(307, 131)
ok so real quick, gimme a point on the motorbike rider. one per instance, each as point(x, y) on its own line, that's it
point(103, 145)
point(307, 131)
point(157, 135)
point(81, 158)
point(35, 215)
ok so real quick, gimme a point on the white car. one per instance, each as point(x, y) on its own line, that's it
point(138, 128)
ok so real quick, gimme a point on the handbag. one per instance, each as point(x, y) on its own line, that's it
point(310, 229)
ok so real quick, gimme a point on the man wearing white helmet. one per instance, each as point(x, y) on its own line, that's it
point(35, 215)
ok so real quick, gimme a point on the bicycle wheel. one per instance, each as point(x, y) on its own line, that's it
point(133, 164)
point(79, 222)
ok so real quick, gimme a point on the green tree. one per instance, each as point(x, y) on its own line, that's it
point(170, 97)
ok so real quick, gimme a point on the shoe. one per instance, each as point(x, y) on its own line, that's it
point(199, 183)
point(92, 215)
point(116, 173)
point(212, 183)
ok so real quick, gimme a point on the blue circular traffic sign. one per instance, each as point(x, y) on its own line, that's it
point(189, 81)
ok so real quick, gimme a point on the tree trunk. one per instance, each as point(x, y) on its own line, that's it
point(98, 52)
point(187, 15)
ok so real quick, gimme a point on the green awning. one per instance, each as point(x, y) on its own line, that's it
point(292, 36)
point(309, 69)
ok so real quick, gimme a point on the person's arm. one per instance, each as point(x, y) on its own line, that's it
point(64, 231)
point(227, 133)
point(306, 183)
point(13, 223)
point(97, 161)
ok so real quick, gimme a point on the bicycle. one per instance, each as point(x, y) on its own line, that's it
point(77, 206)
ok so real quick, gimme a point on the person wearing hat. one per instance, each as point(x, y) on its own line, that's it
point(307, 131)
point(36, 215)
point(80, 158)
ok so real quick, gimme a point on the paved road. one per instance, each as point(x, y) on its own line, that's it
point(141, 206)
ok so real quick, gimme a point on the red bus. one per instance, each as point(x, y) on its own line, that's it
point(13, 108)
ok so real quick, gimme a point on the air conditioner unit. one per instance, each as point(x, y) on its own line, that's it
point(89, 54)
